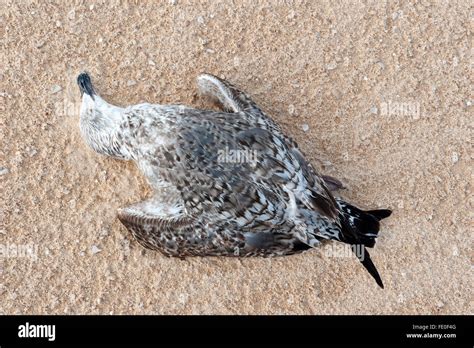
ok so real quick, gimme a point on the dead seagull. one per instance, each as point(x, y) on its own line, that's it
point(226, 183)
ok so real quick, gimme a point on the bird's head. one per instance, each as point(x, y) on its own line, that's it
point(85, 85)
point(90, 99)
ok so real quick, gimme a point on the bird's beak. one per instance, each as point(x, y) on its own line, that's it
point(85, 84)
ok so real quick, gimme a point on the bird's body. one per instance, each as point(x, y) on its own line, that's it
point(225, 183)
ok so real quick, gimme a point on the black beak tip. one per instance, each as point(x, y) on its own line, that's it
point(85, 84)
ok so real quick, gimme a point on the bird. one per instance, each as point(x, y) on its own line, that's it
point(225, 182)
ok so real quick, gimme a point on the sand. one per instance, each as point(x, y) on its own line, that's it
point(378, 95)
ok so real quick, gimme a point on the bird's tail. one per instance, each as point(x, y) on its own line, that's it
point(360, 228)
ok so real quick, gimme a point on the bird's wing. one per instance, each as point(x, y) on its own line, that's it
point(240, 173)
point(308, 202)
point(146, 220)
point(230, 98)
point(233, 100)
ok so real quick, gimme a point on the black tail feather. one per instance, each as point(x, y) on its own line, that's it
point(366, 261)
point(380, 214)
point(361, 228)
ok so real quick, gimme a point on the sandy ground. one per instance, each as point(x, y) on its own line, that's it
point(378, 95)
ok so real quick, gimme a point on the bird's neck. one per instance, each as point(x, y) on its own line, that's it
point(100, 126)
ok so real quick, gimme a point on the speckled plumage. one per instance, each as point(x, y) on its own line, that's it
point(206, 202)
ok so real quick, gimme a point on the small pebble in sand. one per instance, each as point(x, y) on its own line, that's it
point(71, 14)
point(374, 110)
point(152, 63)
point(305, 127)
point(327, 163)
point(32, 151)
point(397, 14)
point(95, 250)
point(131, 83)
point(125, 247)
point(455, 157)
point(173, 2)
point(200, 20)
point(4, 170)
point(331, 66)
point(104, 233)
point(291, 109)
point(55, 89)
